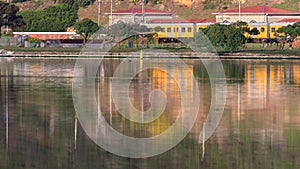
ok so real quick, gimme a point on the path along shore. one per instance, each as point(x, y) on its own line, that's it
point(187, 55)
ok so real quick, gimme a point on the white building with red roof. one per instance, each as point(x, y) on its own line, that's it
point(136, 15)
point(254, 14)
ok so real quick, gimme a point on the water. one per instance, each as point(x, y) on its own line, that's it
point(260, 126)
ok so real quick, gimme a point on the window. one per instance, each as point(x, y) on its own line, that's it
point(175, 29)
point(262, 29)
point(189, 29)
point(168, 29)
point(163, 30)
point(183, 29)
point(273, 30)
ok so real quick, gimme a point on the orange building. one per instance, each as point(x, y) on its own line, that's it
point(48, 35)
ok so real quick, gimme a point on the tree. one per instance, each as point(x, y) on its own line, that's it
point(243, 26)
point(85, 3)
point(82, 3)
point(123, 30)
point(227, 36)
point(16, 1)
point(254, 31)
point(120, 31)
point(86, 28)
point(245, 29)
point(9, 17)
point(157, 29)
point(234, 39)
point(52, 19)
point(290, 31)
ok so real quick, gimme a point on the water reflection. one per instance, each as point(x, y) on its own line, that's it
point(260, 127)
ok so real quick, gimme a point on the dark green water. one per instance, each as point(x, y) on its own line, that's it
point(259, 129)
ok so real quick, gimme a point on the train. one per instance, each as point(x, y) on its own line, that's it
point(181, 29)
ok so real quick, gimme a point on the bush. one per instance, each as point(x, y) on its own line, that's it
point(85, 3)
point(16, 1)
point(31, 40)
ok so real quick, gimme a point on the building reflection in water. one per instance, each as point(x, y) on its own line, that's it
point(263, 106)
point(140, 88)
point(256, 98)
point(260, 126)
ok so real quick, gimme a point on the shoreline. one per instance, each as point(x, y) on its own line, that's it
point(182, 55)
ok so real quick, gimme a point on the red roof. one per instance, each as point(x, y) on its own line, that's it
point(260, 9)
point(139, 11)
point(178, 20)
point(289, 20)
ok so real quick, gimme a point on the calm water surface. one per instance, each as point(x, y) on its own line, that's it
point(259, 129)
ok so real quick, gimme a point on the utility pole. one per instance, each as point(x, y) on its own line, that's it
point(239, 10)
point(143, 11)
point(99, 13)
point(111, 4)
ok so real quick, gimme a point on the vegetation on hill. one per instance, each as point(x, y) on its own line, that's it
point(216, 4)
point(288, 4)
point(9, 17)
point(16, 1)
point(54, 18)
point(78, 2)
point(197, 9)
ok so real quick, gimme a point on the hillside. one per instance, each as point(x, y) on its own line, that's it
point(187, 8)
point(181, 8)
